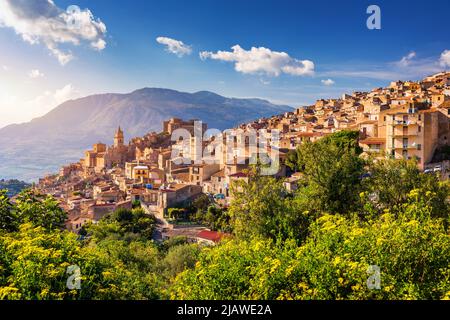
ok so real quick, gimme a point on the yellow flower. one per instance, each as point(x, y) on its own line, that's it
point(44, 293)
point(356, 287)
point(289, 270)
point(413, 193)
point(388, 288)
point(337, 260)
point(303, 286)
point(275, 264)
point(328, 226)
point(413, 223)
point(447, 296)
point(357, 232)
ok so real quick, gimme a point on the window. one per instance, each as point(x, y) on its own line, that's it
point(419, 147)
point(419, 128)
point(374, 147)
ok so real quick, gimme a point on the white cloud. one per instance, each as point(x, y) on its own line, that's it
point(16, 109)
point(409, 67)
point(50, 99)
point(262, 61)
point(41, 21)
point(99, 45)
point(65, 93)
point(406, 60)
point(5, 68)
point(35, 73)
point(445, 59)
point(328, 82)
point(175, 46)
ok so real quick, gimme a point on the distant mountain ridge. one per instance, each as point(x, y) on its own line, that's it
point(42, 145)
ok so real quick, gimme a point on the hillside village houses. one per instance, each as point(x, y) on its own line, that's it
point(405, 120)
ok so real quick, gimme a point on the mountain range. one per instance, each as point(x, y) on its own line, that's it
point(30, 150)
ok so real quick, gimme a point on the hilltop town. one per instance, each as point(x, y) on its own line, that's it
point(407, 119)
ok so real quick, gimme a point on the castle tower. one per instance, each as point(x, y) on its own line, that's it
point(118, 138)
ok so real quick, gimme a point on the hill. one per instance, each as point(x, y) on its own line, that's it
point(42, 145)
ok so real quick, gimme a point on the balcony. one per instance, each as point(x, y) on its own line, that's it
point(406, 146)
point(373, 149)
point(404, 122)
point(404, 133)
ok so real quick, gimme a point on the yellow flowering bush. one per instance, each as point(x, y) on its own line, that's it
point(412, 253)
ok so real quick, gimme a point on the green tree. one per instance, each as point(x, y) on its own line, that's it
point(180, 258)
point(215, 218)
point(332, 171)
point(261, 207)
point(176, 213)
point(8, 219)
point(41, 210)
point(136, 204)
point(392, 180)
point(201, 203)
point(124, 224)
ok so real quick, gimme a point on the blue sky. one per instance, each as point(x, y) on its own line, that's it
point(347, 56)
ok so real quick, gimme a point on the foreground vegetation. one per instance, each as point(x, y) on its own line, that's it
point(349, 216)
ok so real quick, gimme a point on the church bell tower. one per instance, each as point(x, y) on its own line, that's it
point(118, 138)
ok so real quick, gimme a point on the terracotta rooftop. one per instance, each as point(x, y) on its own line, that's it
point(212, 235)
point(369, 122)
point(239, 175)
point(220, 174)
point(183, 176)
point(445, 105)
point(373, 140)
point(309, 134)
